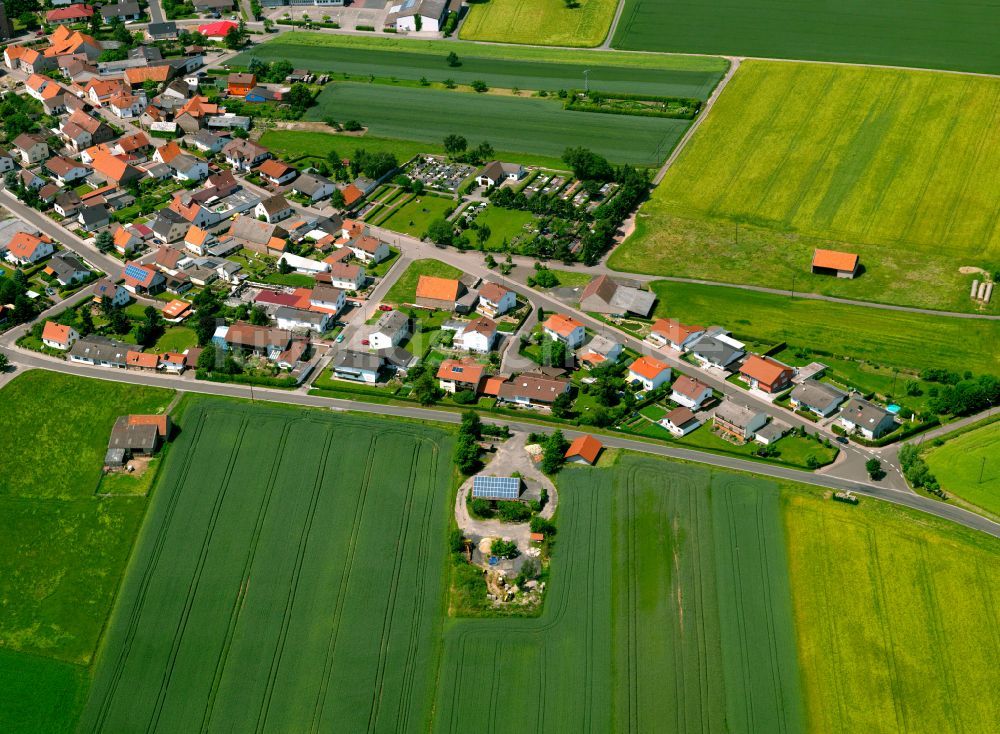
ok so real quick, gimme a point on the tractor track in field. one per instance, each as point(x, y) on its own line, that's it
point(878, 583)
point(300, 553)
point(238, 604)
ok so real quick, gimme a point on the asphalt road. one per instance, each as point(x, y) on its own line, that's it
point(896, 496)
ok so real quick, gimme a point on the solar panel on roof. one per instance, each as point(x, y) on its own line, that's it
point(506, 488)
point(136, 272)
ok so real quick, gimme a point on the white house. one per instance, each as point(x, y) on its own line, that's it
point(689, 392)
point(673, 334)
point(369, 249)
point(273, 209)
point(390, 330)
point(866, 418)
point(188, 168)
point(738, 421)
point(297, 319)
point(649, 372)
point(357, 366)
point(304, 264)
point(348, 276)
point(418, 15)
point(104, 288)
point(327, 297)
point(58, 336)
point(680, 422)
point(478, 335)
point(562, 328)
point(495, 300)
point(27, 249)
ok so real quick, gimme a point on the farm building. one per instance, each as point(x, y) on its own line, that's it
point(496, 488)
point(584, 450)
point(832, 262)
point(136, 435)
point(418, 15)
point(441, 293)
point(604, 295)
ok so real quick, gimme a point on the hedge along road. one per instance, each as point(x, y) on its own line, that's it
point(548, 69)
point(522, 125)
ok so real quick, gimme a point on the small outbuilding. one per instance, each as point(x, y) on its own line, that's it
point(832, 262)
point(584, 450)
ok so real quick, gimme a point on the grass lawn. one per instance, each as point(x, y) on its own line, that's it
point(959, 463)
point(414, 218)
point(176, 339)
point(886, 599)
point(378, 271)
point(404, 290)
point(521, 66)
point(296, 280)
point(879, 162)
point(946, 35)
point(504, 224)
point(888, 338)
point(546, 22)
point(303, 143)
point(248, 604)
point(39, 695)
point(532, 125)
point(792, 450)
point(572, 278)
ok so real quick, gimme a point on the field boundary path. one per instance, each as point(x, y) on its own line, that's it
point(606, 46)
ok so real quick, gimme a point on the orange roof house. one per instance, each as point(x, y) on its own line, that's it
point(584, 450)
point(564, 328)
point(141, 360)
point(351, 194)
point(56, 335)
point(673, 333)
point(198, 106)
point(176, 310)
point(113, 169)
point(158, 74)
point(239, 84)
point(166, 153)
point(650, 371)
point(766, 374)
point(434, 292)
point(832, 262)
point(460, 374)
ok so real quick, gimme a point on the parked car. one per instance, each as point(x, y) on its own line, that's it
point(364, 342)
point(340, 338)
point(384, 307)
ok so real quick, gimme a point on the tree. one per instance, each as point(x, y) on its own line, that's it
point(4, 362)
point(562, 405)
point(418, 23)
point(10, 180)
point(104, 241)
point(207, 358)
point(441, 231)
point(283, 267)
point(118, 322)
point(483, 234)
point(874, 468)
point(452, 59)
point(503, 548)
point(337, 200)
point(467, 454)
point(543, 526)
point(300, 97)
point(587, 165)
point(205, 327)
point(417, 186)
point(425, 389)
point(472, 424)
point(554, 452)
point(258, 316)
point(478, 85)
point(86, 321)
point(455, 144)
point(150, 329)
point(233, 38)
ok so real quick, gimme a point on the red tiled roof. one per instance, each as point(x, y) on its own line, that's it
point(764, 369)
point(54, 332)
point(648, 367)
point(438, 289)
point(834, 260)
point(586, 447)
point(461, 370)
point(562, 324)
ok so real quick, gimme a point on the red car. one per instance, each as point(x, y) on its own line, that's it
point(384, 307)
point(364, 342)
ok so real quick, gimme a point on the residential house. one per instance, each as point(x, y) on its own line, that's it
point(137, 77)
point(123, 10)
point(689, 392)
point(143, 279)
point(75, 13)
point(868, 419)
point(176, 311)
point(532, 389)
point(6, 161)
point(137, 145)
point(125, 240)
point(166, 153)
point(438, 293)
point(238, 84)
point(189, 168)
point(562, 328)
point(101, 351)
point(327, 298)
point(64, 42)
point(116, 294)
point(273, 209)
point(495, 300)
point(127, 106)
point(94, 217)
point(348, 276)
point(674, 334)
point(135, 360)
point(67, 269)
point(649, 372)
point(304, 264)
point(262, 237)
point(100, 91)
point(598, 351)
point(414, 15)
point(717, 349)
point(456, 375)
point(298, 319)
point(207, 142)
point(607, 296)
point(817, 397)
point(83, 131)
point(495, 173)
point(67, 204)
point(47, 91)
point(245, 155)
point(478, 335)
point(34, 61)
point(832, 262)
point(66, 170)
point(32, 148)
point(680, 421)
point(584, 450)
point(313, 186)
point(113, 170)
point(391, 329)
point(197, 240)
point(27, 249)
point(766, 374)
point(739, 422)
point(169, 226)
point(209, 6)
point(357, 366)
point(172, 362)
point(166, 31)
point(58, 336)
point(397, 358)
point(262, 340)
point(169, 259)
point(276, 172)
point(369, 249)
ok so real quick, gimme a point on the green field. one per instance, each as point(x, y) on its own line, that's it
point(968, 466)
point(179, 338)
point(894, 165)
point(506, 67)
point(298, 143)
point(896, 618)
point(530, 125)
point(944, 35)
point(290, 578)
point(414, 217)
point(889, 338)
point(404, 290)
point(654, 621)
point(504, 224)
point(546, 22)
point(63, 549)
